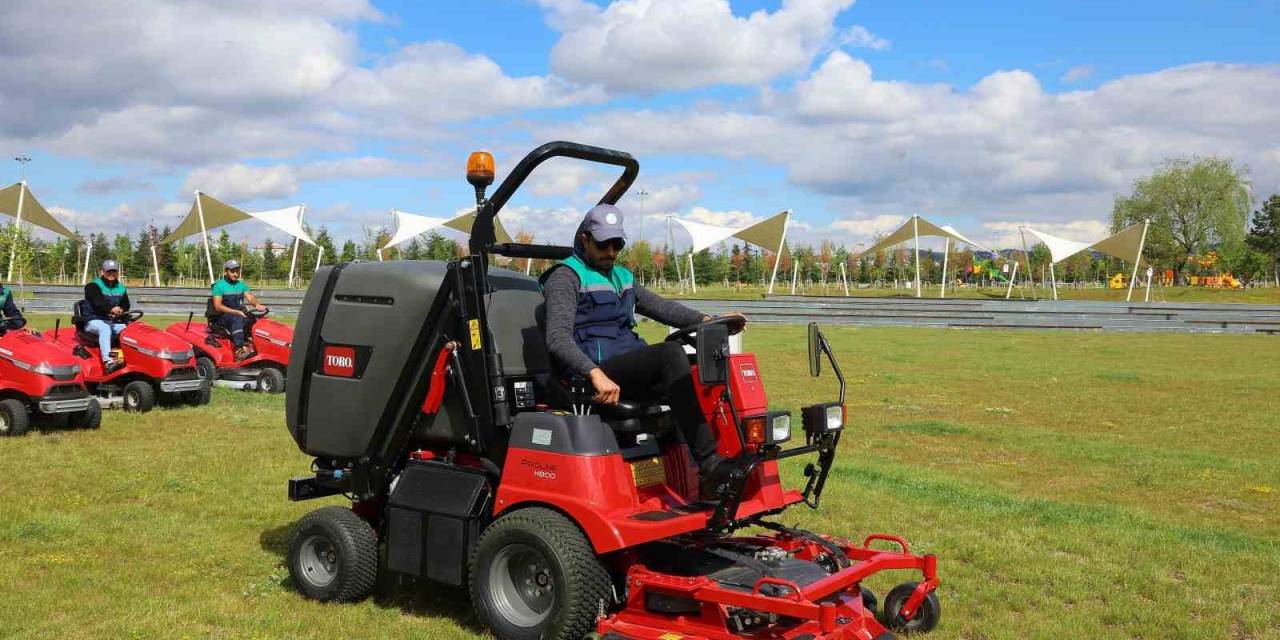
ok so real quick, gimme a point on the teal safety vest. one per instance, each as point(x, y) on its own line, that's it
point(604, 325)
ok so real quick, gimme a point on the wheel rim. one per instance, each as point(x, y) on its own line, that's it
point(318, 560)
point(268, 384)
point(132, 400)
point(521, 586)
point(4, 422)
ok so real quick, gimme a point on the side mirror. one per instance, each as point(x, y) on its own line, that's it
point(713, 354)
point(815, 345)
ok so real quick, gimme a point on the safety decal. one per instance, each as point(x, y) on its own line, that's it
point(474, 325)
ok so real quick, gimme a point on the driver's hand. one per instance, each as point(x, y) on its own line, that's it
point(115, 311)
point(260, 307)
point(242, 314)
point(607, 391)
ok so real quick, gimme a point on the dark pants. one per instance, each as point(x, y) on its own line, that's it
point(661, 372)
point(236, 326)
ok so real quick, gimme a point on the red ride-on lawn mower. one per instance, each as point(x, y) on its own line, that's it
point(157, 365)
point(215, 355)
point(38, 380)
point(425, 393)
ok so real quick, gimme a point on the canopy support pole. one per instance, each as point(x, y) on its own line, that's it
point(204, 233)
point(693, 282)
point(528, 265)
point(379, 252)
point(1138, 258)
point(671, 251)
point(795, 274)
point(319, 256)
point(1053, 278)
point(155, 264)
point(777, 257)
point(293, 260)
point(845, 279)
point(1026, 255)
point(17, 230)
point(946, 259)
point(88, 251)
point(915, 227)
point(1008, 292)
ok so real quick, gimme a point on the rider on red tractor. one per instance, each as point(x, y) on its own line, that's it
point(107, 297)
point(227, 298)
point(590, 332)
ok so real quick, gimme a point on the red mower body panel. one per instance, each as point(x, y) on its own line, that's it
point(147, 352)
point(37, 372)
point(272, 340)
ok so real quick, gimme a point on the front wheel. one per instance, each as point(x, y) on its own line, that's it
point(926, 617)
point(139, 396)
point(270, 380)
point(199, 397)
point(14, 418)
point(534, 575)
point(333, 555)
point(90, 418)
point(206, 369)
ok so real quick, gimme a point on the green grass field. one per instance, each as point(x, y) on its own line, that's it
point(1073, 485)
point(1262, 295)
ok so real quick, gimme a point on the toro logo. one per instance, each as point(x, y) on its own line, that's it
point(339, 361)
point(748, 371)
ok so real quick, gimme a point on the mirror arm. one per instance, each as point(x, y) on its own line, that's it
point(831, 357)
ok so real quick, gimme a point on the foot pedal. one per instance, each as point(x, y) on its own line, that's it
point(81, 352)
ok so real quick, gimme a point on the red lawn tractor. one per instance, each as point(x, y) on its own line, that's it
point(425, 394)
point(158, 366)
point(215, 355)
point(38, 380)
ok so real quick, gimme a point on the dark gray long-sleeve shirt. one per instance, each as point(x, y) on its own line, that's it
point(561, 293)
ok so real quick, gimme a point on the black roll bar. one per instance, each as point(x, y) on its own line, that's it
point(482, 234)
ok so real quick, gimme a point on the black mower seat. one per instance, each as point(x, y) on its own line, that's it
point(635, 417)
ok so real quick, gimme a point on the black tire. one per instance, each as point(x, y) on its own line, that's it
point(206, 369)
point(926, 617)
point(139, 396)
point(90, 418)
point(333, 555)
point(557, 588)
point(870, 602)
point(199, 397)
point(14, 419)
point(270, 380)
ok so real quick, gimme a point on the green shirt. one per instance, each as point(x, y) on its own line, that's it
point(232, 293)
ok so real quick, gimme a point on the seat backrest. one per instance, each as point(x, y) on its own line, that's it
point(81, 314)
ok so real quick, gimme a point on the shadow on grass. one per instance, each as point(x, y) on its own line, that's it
point(411, 597)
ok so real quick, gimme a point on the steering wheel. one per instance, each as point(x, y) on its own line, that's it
point(258, 314)
point(687, 334)
point(128, 316)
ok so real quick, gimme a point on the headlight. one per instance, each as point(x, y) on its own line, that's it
point(823, 418)
point(178, 357)
point(770, 428)
point(780, 428)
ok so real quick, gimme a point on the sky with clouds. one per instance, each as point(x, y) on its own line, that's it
point(980, 115)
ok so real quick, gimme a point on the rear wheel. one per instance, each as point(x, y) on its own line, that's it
point(534, 575)
point(333, 555)
point(139, 396)
point(206, 368)
point(14, 419)
point(926, 617)
point(90, 418)
point(270, 380)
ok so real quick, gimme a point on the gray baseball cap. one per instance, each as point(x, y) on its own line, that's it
point(110, 265)
point(231, 264)
point(604, 222)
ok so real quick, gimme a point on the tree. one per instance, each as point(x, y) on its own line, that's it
point(1193, 204)
point(270, 261)
point(1264, 237)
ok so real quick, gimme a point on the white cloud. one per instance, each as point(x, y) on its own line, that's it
point(869, 228)
point(859, 36)
point(236, 182)
point(1003, 149)
point(1077, 73)
point(652, 45)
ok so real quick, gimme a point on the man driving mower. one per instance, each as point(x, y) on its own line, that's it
point(107, 298)
point(590, 332)
point(10, 315)
point(227, 298)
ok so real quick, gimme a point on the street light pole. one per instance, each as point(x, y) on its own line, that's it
point(22, 167)
point(641, 193)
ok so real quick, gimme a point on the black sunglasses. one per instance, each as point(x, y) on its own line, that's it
point(616, 243)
